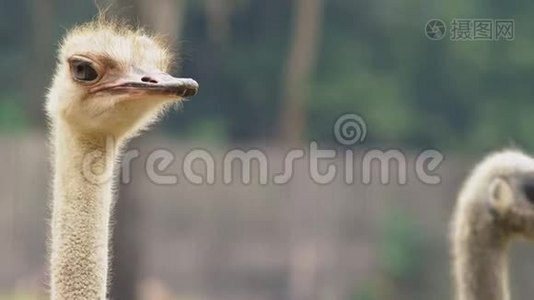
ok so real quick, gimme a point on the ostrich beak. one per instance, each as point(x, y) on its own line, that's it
point(528, 188)
point(157, 83)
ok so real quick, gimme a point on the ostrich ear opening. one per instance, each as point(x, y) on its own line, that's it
point(501, 195)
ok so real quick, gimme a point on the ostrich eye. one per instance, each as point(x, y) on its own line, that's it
point(83, 71)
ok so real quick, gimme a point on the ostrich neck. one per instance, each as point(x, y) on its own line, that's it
point(481, 267)
point(82, 202)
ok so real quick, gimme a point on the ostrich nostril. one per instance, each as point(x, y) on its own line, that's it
point(528, 189)
point(149, 80)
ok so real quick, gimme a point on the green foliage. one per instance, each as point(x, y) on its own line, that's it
point(402, 259)
point(401, 247)
point(212, 130)
point(402, 255)
point(417, 92)
point(374, 60)
point(365, 293)
point(13, 118)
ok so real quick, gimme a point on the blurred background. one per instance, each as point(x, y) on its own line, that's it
point(274, 76)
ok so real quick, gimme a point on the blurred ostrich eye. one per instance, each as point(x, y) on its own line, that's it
point(83, 71)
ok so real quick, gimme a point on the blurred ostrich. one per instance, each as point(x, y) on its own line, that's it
point(109, 84)
point(495, 205)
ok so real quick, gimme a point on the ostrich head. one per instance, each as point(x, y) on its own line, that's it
point(512, 203)
point(504, 183)
point(112, 79)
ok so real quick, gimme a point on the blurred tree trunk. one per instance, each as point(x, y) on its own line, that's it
point(304, 252)
point(300, 64)
point(218, 14)
point(303, 257)
point(42, 54)
point(164, 17)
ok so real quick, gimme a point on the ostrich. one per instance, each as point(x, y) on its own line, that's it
point(110, 83)
point(495, 205)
